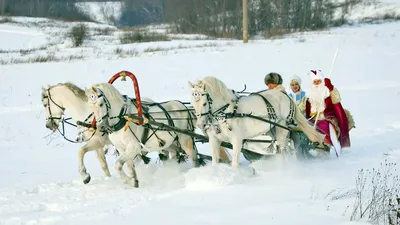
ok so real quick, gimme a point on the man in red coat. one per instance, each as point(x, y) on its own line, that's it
point(324, 102)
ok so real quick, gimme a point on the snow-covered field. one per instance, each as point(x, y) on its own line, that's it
point(40, 183)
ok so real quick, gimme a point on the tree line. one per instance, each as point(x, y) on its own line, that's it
point(57, 9)
point(219, 18)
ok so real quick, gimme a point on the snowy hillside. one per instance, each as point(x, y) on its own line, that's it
point(40, 182)
point(103, 12)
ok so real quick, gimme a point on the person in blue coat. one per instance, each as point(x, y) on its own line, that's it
point(298, 95)
point(300, 141)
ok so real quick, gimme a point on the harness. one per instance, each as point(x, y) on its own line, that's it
point(146, 135)
point(220, 116)
point(108, 129)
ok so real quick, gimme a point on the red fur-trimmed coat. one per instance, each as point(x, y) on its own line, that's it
point(335, 114)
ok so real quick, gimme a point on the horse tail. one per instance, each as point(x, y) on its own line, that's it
point(307, 127)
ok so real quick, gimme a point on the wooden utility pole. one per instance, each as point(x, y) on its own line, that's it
point(245, 23)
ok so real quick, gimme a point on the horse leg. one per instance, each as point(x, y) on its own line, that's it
point(171, 152)
point(174, 150)
point(119, 167)
point(282, 140)
point(237, 147)
point(132, 172)
point(215, 146)
point(103, 162)
point(188, 147)
point(105, 149)
point(223, 154)
point(163, 155)
point(128, 155)
point(82, 169)
point(93, 144)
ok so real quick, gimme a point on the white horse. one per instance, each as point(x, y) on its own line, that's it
point(227, 117)
point(67, 97)
point(110, 109)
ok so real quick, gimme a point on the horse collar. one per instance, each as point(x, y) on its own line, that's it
point(121, 122)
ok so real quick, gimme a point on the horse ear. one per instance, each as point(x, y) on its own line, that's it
point(43, 89)
point(190, 85)
point(203, 86)
point(93, 89)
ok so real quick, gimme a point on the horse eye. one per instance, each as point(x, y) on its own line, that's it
point(196, 96)
point(101, 104)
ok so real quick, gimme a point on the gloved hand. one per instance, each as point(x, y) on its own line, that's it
point(328, 84)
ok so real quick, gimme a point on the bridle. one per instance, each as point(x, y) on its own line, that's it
point(93, 99)
point(107, 127)
point(211, 117)
point(61, 117)
point(51, 117)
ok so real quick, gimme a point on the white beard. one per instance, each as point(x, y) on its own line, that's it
point(317, 97)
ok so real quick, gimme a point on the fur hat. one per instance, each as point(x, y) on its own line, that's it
point(273, 78)
point(316, 75)
point(296, 79)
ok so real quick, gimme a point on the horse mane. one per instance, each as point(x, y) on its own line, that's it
point(109, 90)
point(217, 89)
point(77, 91)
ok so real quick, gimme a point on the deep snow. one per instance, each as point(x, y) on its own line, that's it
point(40, 181)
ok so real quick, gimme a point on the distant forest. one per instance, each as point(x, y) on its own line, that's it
point(219, 18)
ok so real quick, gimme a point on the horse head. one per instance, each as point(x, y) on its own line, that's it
point(209, 95)
point(105, 101)
point(52, 103)
point(201, 102)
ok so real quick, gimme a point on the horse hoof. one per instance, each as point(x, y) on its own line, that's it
point(136, 184)
point(182, 158)
point(200, 162)
point(145, 159)
point(162, 157)
point(252, 171)
point(86, 180)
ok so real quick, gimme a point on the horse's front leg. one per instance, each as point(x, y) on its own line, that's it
point(130, 164)
point(282, 140)
point(128, 156)
point(103, 162)
point(82, 169)
point(237, 148)
point(119, 167)
point(93, 144)
point(215, 146)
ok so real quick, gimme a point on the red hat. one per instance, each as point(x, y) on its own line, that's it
point(316, 75)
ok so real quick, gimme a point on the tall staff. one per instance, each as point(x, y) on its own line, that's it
point(245, 23)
